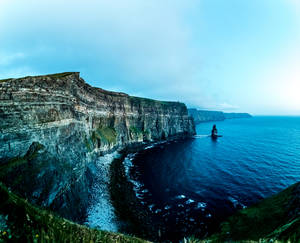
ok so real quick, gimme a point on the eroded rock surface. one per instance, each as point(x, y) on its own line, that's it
point(53, 127)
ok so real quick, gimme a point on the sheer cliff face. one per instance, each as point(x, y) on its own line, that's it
point(53, 126)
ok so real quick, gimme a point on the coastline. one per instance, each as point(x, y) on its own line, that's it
point(135, 218)
point(138, 221)
point(100, 212)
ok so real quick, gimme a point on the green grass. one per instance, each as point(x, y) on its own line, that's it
point(55, 75)
point(270, 217)
point(5, 80)
point(58, 75)
point(138, 132)
point(151, 102)
point(288, 232)
point(23, 222)
point(16, 161)
point(89, 143)
point(135, 130)
point(105, 134)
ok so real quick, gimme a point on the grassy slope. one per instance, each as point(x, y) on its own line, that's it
point(55, 75)
point(151, 102)
point(23, 222)
point(277, 217)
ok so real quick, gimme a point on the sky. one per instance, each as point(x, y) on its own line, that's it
point(233, 55)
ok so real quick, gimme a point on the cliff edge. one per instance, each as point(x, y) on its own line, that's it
point(53, 127)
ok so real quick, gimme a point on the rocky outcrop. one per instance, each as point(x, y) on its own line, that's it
point(53, 127)
point(207, 116)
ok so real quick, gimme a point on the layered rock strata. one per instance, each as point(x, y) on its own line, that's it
point(53, 127)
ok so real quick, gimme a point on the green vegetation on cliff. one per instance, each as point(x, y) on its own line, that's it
point(23, 222)
point(5, 80)
point(54, 75)
point(101, 136)
point(207, 116)
point(105, 134)
point(16, 161)
point(151, 102)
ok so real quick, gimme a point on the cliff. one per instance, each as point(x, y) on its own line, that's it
point(54, 127)
point(207, 116)
point(236, 115)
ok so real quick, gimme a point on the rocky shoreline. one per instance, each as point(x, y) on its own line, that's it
point(135, 217)
point(278, 216)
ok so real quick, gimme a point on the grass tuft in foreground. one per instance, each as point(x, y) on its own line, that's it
point(55, 75)
point(23, 222)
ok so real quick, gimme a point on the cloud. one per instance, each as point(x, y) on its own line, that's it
point(227, 107)
point(149, 43)
point(6, 59)
point(280, 82)
point(157, 49)
point(18, 72)
point(295, 3)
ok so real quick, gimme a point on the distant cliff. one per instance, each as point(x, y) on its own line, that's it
point(207, 116)
point(236, 115)
point(53, 127)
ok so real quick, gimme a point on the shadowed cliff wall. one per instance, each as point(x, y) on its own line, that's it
point(53, 127)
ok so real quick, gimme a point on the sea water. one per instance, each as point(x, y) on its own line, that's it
point(192, 185)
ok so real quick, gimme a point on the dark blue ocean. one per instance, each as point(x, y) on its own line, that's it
point(192, 185)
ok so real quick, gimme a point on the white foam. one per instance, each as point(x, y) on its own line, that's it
point(149, 147)
point(138, 187)
point(201, 205)
point(201, 136)
point(167, 207)
point(189, 201)
point(100, 213)
point(157, 211)
point(180, 197)
point(151, 207)
point(127, 164)
point(236, 202)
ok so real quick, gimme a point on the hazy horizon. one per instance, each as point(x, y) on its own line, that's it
point(231, 56)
